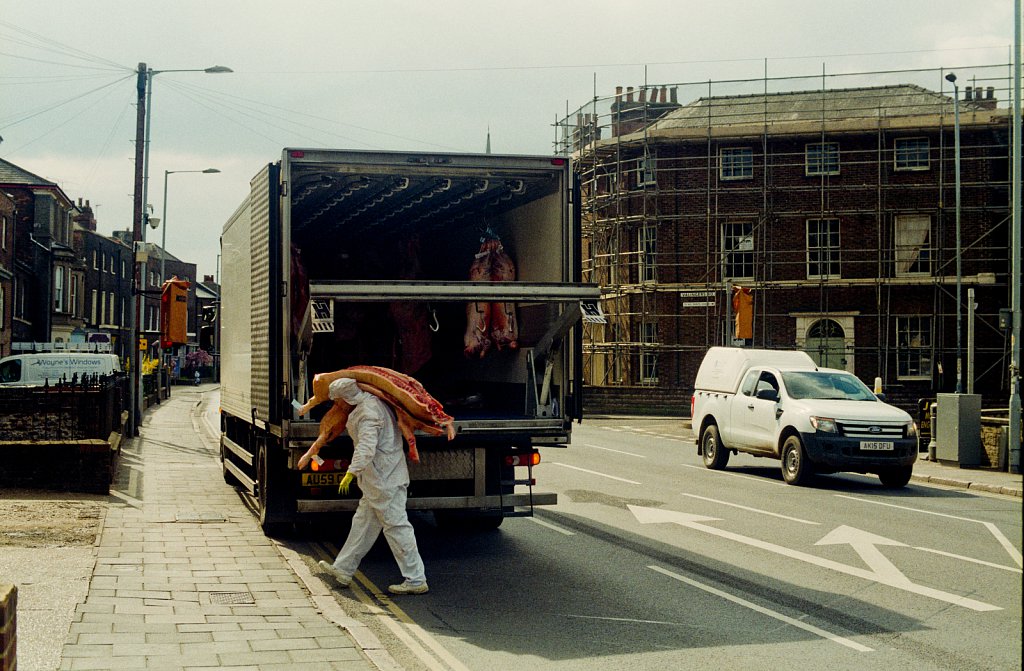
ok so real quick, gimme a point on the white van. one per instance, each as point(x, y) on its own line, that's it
point(779, 404)
point(48, 368)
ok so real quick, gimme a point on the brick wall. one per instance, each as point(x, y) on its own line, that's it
point(635, 401)
point(8, 628)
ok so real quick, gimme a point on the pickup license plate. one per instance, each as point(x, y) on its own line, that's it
point(876, 446)
point(329, 479)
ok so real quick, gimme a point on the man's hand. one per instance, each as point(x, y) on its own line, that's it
point(345, 482)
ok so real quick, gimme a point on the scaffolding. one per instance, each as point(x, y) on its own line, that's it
point(805, 190)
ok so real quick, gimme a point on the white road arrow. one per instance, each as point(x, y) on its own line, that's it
point(865, 544)
point(656, 516)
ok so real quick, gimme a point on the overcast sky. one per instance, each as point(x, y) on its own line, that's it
point(396, 75)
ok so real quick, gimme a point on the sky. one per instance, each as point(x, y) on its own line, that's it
point(397, 75)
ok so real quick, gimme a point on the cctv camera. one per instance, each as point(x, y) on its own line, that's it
point(153, 222)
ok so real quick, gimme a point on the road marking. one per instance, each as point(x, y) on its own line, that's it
point(608, 449)
point(765, 611)
point(866, 545)
point(624, 619)
point(654, 515)
point(738, 475)
point(603, 475)
point(398, 622)
point(753, 510)
point(969, 559)
point(1003, 540)
point(549, 525)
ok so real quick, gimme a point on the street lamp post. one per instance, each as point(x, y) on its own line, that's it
point(163, 246)
point(951, 78)
point(140, 219)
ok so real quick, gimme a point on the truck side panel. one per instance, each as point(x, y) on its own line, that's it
point(265, 280)
point(236, 313)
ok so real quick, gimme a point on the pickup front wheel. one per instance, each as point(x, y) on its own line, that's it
point(716, 456)
point(796, 469)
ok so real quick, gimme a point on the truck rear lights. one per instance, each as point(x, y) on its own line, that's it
point(558, 161)
point(322, 465)
point(296, 153)
point(528, 459)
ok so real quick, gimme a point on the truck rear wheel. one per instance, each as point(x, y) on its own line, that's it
point(715, 455)
point(895, 477)
point(274, 520)
point(796, 469)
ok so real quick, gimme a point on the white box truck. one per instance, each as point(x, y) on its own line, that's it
point(340, 258)
point(779, 404)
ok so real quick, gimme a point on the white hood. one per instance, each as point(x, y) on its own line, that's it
point(853, 410)
point(346, 389)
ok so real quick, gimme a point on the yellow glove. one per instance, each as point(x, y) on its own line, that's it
point(345, 482)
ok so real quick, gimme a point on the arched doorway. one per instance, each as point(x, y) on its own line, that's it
point(826, 344)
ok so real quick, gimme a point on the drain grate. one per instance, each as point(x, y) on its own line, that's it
point(199, 517)
point(232, 598)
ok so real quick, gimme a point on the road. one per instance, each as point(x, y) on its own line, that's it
point(652, 562)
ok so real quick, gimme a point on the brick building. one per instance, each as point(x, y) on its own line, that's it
point(107, 280)
point(834, 207)
point(47, 278)
point(6, 272)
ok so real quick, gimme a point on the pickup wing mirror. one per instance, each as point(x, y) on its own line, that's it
point(768, 395)
point(880, 396)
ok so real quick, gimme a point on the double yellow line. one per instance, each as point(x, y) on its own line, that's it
point(380, 605)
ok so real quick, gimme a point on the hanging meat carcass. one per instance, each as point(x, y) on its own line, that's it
point(491, 324)
point(477, 340)
point(504, 330)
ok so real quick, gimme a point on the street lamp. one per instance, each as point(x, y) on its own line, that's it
point(144, 86)
point(951, 78)
point(163, 245)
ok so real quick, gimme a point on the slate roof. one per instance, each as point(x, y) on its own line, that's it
point(13, 175)
point(812, 106)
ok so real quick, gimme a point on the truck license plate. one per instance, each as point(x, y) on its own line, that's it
point(330, 479)
point(875, 446)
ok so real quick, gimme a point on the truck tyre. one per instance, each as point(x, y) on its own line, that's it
point(895, 477)
point(274, 520)
point(796, 469)
point(715, 455)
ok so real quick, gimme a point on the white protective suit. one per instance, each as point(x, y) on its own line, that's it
point(378, 463)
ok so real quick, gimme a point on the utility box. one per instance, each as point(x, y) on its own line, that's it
point(958, 429)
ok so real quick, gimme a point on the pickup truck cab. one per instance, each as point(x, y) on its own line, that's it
point(779, 404)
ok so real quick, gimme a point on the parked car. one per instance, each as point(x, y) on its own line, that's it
point(779, 404)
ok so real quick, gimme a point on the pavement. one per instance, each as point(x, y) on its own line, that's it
point(182, 577)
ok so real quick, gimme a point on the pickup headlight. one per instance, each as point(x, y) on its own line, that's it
point(824, 424)
point(912, 430)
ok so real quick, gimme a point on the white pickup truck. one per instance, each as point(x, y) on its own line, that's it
point(779, 404)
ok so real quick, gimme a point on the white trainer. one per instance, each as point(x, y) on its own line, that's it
point(342, 579)
point(409, 587)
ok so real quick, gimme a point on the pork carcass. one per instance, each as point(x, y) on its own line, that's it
point(412, 348)
point(414, 408)
point(504, 330)
point(477, 340)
